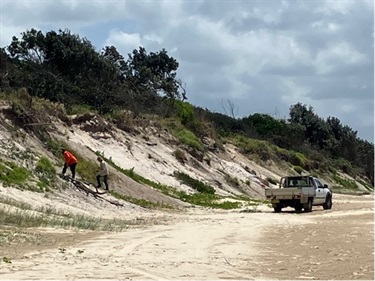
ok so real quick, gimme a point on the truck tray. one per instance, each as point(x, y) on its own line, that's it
point(289, 193)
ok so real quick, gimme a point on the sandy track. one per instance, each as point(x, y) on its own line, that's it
point(335, 244)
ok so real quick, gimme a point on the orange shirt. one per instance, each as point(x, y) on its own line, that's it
point(69, 158)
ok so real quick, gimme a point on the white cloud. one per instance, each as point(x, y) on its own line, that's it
point(153, 38)
point(331, 7)
point(347, 108)
point(294, 92)
point(123, 41)
point(336, 55)
point(325, 26)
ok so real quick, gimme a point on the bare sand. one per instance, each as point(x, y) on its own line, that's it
point(208, 245)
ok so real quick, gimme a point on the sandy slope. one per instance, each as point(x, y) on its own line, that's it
point(191, 244)
point(336, 244)
point(157, 162)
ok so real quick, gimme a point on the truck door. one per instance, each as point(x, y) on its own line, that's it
point(320, 196)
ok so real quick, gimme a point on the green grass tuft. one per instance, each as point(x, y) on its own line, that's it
point(46, 173)
point(196, 184)
point(271, 180)
point(298, 169)
point(187, 137)
point(13, 174)
point(140, 202)
point(348, 184)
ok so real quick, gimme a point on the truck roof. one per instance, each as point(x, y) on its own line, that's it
point(298, 177)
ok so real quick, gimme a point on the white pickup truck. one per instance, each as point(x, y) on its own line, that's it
point(299, 192)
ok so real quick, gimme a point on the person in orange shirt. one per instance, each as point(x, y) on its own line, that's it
point(70, 161)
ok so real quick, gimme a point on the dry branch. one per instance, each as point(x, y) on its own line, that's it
point(83, 186)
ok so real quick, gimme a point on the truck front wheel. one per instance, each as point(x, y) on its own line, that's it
point(328, 204)
point(308, 206)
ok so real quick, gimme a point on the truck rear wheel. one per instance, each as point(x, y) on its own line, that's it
point(328, 204)
point(277, 208)
point(298, 208)
point(308, 206)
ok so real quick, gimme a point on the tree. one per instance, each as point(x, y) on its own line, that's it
point(110, 54)
point(229, 108)
point(316, 129)
point(7, 70)
point(154, 72)
point(63, 67)
point(30, 48)
point(277, 131)
point(183, 87)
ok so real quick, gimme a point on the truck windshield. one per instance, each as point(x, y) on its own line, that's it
point(297, 182)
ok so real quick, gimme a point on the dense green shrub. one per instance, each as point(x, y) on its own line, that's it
point(196, 184)
point(180, 155)
point(186, 114)
point(79, 109)
point(298, 159)
point(253, 146)
point(298, 169)
point(187, 137)
point(271, 180)
point(344, 165)
point(282, 154)
point(346, 183)
point(45, 167)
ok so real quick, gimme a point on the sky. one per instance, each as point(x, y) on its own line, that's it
point(259, 56)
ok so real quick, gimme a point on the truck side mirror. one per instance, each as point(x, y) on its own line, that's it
point(325, 186)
